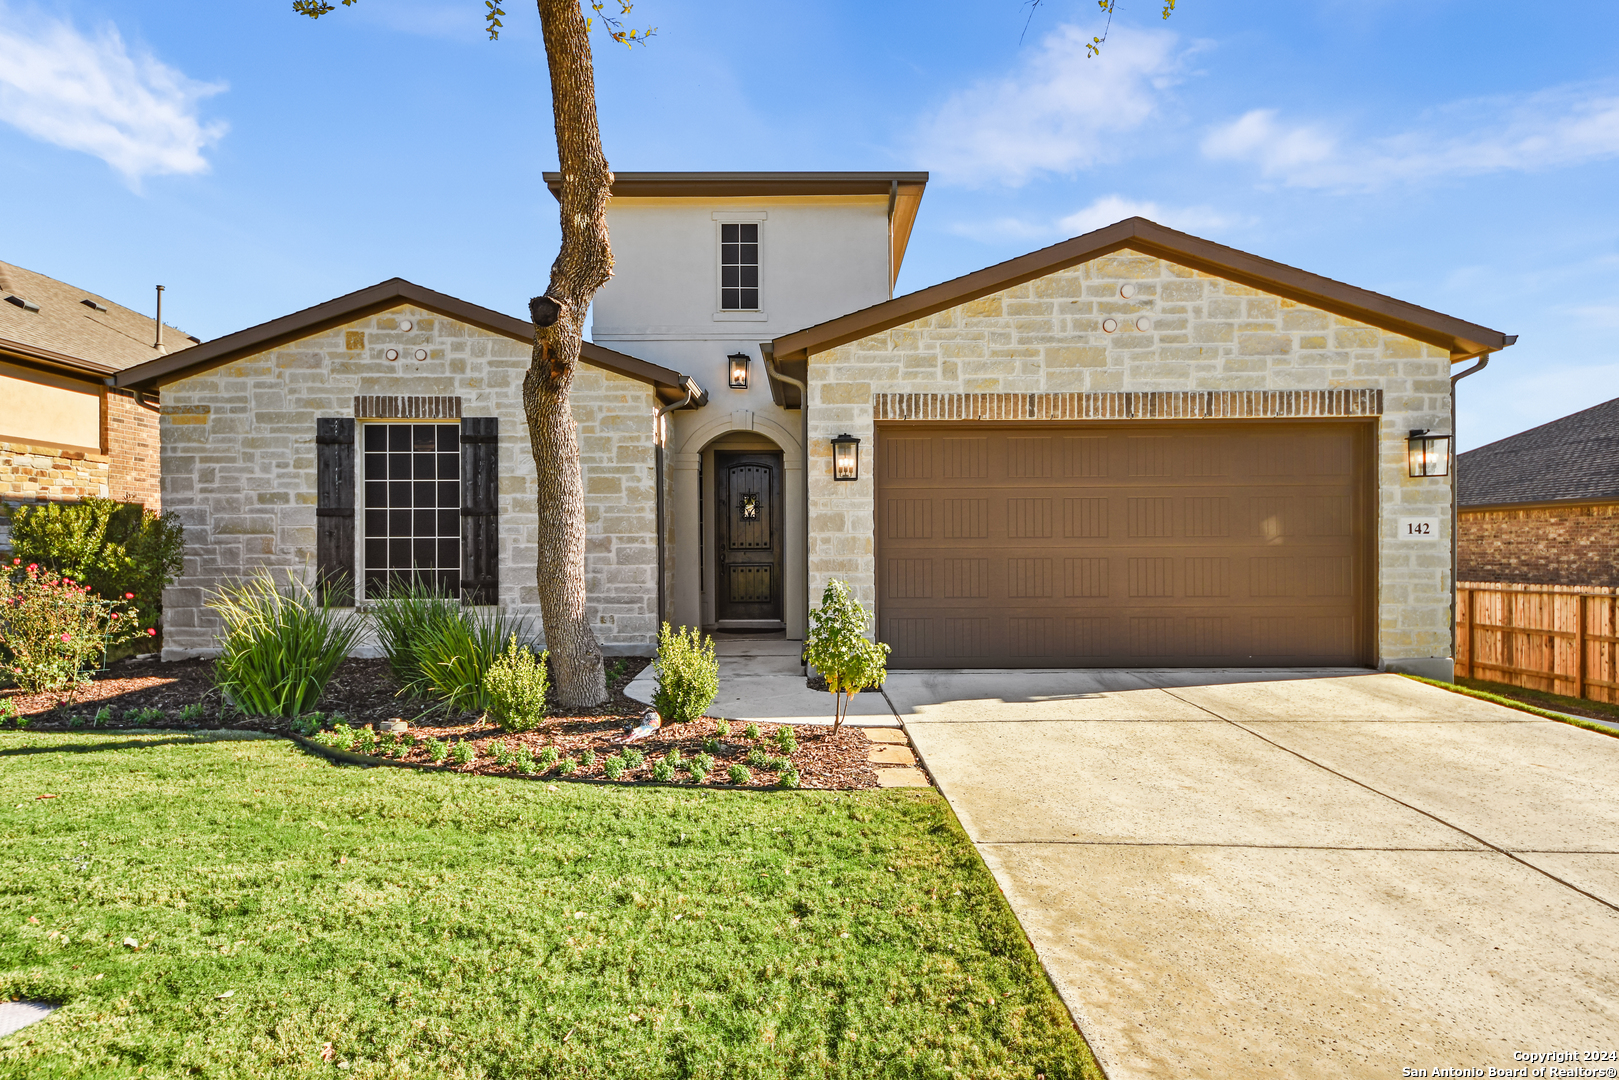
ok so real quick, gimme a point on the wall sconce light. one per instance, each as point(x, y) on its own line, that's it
point(739, 370)
point(846, 457)
point(1428, 455)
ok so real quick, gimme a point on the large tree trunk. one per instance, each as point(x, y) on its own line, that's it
point(582, 266)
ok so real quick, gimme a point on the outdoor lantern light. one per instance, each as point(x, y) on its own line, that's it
point(739, 370)
point(1429, 455)
point(846, 457)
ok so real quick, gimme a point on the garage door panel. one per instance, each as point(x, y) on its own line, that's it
point(1145, 544)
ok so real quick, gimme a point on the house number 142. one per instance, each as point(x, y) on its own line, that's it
point(1419, 528)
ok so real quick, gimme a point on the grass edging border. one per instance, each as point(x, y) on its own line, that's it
point(348, 757)
point(1512, 703)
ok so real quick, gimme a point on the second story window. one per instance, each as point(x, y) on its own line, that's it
point(739, 266)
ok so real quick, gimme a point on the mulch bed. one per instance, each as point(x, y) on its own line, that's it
point(148, 694)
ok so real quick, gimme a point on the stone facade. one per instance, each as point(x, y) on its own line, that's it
point(1540, 545)
point(1200, 334)
point(239, 465)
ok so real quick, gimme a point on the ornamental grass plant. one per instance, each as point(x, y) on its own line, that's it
point(281, 645)
point(439, 648)
point(688, 674)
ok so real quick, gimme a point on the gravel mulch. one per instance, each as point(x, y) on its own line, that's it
point(148, 694)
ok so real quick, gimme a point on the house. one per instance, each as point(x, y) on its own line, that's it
point(1542, 507)
point(1132, 448)
point(64, 432)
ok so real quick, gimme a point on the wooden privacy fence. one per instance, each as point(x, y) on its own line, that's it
point(1559, 638)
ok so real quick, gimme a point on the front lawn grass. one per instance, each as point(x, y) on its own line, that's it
point(431, 925)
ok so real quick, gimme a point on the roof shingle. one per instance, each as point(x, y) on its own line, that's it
point(114, 338)
point(1576, 457)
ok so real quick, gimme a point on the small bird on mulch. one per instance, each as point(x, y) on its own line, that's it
point(650, 722)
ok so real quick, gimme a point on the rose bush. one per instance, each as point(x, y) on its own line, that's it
point(53, 629)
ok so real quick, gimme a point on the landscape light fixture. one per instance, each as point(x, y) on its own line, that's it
point(1428, 454)
point(739, 370)
point(845, 457)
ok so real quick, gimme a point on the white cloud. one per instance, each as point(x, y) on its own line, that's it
point(90, 93)
point(1103, 211)
point(1058, 113)
point(1555, 128)
point(1111, 208)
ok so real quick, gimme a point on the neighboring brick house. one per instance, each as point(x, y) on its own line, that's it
point(64, 432)
point(1133, 448)
point(1542, 507)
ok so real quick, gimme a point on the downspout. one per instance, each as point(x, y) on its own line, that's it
point(768, 351)
point(659, 441)
point(1455, 516)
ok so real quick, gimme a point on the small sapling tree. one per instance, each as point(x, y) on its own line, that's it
point(839, 650)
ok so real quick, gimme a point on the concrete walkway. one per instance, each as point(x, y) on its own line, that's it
point(1233, 874)
point(762, 679)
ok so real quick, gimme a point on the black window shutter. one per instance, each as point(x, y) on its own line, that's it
point(480, 509)
point(334, 509)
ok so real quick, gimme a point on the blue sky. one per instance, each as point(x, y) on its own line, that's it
point(1459, 155)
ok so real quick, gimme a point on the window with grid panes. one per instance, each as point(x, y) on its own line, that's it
point(412, 506)
point(739, 266)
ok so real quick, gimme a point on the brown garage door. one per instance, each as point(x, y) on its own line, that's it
point(1124, 544)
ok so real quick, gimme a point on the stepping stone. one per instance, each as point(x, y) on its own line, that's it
point(886, 735)
point(888, 754)
point(16, 1015)
point(902, 778)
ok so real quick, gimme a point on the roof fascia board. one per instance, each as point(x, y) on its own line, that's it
point(33, 356)
point(368, 301)
point(1150, 238)
point(1539, 504)
point(674, 185)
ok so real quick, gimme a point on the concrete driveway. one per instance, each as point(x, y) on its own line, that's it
point(1235, 874)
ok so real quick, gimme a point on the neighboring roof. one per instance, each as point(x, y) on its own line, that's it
point(1572, 459)
point(904, 191)
point(1461, 338)
point(670, 385)
point(70, 336)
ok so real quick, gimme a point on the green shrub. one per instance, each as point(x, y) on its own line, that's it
point(788, 777)
point(633, 758)
point(150, 715)
point(663, 772)
point(191, 713)
point(722, 727)
point(8, 712)
point(365, 742)
point(837, 647)
point(464, 753)
point(688, 674)
point(751, 731)
point(437, 749)
point(739, 774)
point(52, 628)
point(548, 757)
point(587, 759)
point(115, 548)
point(699, 767)
point(280, 646)
point(567, 767)
point(786, 742)
point(711, 745)
point(524, 760)
point(503, 755)
point(612, 766)
point(103, 715)
point(515, 686)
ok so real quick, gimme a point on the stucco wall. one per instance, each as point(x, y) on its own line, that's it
point(1205, 334)
point(239, 465)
